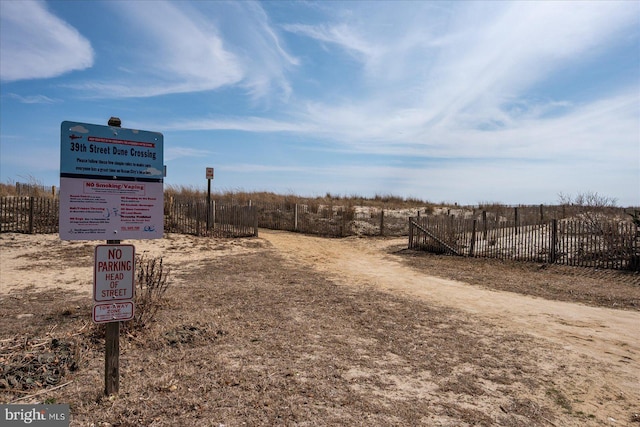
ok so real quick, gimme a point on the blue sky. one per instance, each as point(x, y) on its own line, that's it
point(468, 102)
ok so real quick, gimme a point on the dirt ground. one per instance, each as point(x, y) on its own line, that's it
point(288, 329)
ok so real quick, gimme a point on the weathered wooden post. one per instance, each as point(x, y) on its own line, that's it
point(209, 178)
point(411, 231)
point(554, 242)
point(31, 215)
point(112, 330)
point(112, 353)
point(197, 214)
point(473, 238)
point(255, 220)
point(382, 222)
point(484, 225)
point(213, 213)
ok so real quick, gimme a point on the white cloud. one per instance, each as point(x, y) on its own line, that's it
point(36, 44)
point(504, 48)
point(465, 60)
point(342, 35)
point(246, 124)
point(32, 99)
point(79, 129)
point(264, 55)
point(153, 171)
point(606, 130)
point(175, 152)
point(262, 168)
point(197, 46)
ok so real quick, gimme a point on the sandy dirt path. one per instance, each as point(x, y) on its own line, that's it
point(600, 336)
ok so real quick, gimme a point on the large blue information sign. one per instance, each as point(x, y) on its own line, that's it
point(105, 151)
point(111, 183)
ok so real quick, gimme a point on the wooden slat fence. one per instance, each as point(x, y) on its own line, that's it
point(34, 190)
point(602, 244)
point(331, 221)
point(29, 214)
point(40, 215)
point(193, 216)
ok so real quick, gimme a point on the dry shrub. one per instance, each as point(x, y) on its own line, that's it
point(29, 187)
point(241, 197)
point(151, 285)
point(36, 363)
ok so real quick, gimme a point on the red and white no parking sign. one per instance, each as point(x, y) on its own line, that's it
point(113, 283)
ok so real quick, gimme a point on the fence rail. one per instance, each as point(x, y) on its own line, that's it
point(40, 215)
point(322, 220)
point(29, 214)
point(192, 216)
point(613, 244)
point(600, 244)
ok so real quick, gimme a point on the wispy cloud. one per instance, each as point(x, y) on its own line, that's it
point(177, 152)
point(343, 35)
point(264, 55)
point(502, 49)
point(245, 124)
point(604, 129)
point(36, 44)
point(469, 63)
point(264, 168)
point(424, 96)
point(187, 47)
point(32, 99)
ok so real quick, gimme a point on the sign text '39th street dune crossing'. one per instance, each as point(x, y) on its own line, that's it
point(111, 183)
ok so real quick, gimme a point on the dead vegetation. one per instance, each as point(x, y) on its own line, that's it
point(251, 339)
point(592, 286)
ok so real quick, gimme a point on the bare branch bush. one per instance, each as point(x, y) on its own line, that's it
point(590, 206)
point(635, 217)
point(597, 212)
point(151, 284)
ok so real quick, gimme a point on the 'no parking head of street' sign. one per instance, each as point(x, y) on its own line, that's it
point(113, 283)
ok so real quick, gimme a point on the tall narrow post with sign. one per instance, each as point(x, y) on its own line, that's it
point(209, 178)
point(113, 293)
point(111, 188)
point(112, 329)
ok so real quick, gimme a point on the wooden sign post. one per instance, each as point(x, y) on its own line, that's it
point(111, 186)
point(113, 296)
point(209, 178)
point(112, 358)
point(112, 331)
